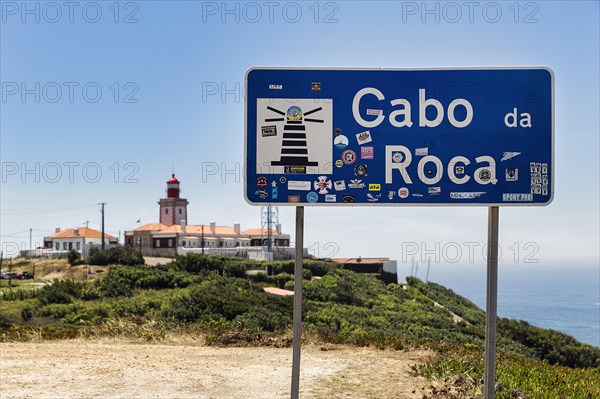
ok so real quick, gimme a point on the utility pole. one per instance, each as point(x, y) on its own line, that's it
point(102, 211)
point(30, 230)
point(202, 239)
point(10, 269)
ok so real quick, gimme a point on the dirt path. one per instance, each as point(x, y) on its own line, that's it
point(117, 369)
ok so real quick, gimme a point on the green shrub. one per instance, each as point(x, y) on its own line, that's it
point(86, 315)
point(121, 280)
point(229, 299)
point(199, 263)
point(19, 294)
point(282, 278)
point(4, 321)
point(345, 287)
point(551, 346)
point(258, 277)
point(60, 291)
point(90, 292)
point(26, 313)
point(76, 313)
point(115, 289)
point(451, 301)
point(115, 255)
point(234, 269)
point(269, 317)
point(316, 267)
point(59, 310)
point(97, 257)
point(212, 299)
point(74, 258)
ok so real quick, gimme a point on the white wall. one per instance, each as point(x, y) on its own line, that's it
point(80, 240)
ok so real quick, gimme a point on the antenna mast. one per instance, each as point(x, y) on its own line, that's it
point(269, 219)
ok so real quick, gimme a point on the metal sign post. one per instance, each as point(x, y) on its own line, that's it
point(297, 302)
point(491, 303)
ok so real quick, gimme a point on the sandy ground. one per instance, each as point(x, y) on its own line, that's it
point(118, 369)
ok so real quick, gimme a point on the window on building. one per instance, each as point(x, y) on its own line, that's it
point(183, 243)
point(180, 211)
point(170, 243)
point(57, 246)
point(166, 210)
point(64, 245)
point(78, 245)
point(157, 243)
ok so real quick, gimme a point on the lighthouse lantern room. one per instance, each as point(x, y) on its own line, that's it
point(173, 209)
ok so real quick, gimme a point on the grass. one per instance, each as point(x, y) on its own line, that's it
point(516, 376)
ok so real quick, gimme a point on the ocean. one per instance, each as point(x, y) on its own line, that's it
point(563, 299)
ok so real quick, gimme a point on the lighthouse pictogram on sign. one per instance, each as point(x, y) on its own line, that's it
point(294, 150)
point(294, 133)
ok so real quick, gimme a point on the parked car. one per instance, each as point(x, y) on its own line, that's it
point(25, 276)
point(8, 275)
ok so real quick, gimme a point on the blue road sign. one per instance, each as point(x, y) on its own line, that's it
point(452, 136)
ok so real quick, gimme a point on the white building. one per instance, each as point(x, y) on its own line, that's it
point(78, 238)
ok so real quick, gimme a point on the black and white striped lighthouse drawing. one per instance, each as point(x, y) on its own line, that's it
point(294, 145)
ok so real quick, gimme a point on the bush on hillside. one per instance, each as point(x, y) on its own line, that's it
point(116, 255)
point(60, 291)
point(74, 258)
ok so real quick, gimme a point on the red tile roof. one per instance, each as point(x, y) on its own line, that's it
point(197, 229)
point(151, 227)
point(84, 232)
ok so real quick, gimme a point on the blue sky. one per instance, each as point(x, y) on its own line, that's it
point(158, 67)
